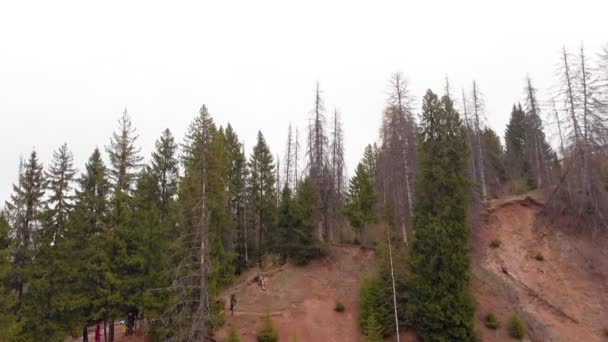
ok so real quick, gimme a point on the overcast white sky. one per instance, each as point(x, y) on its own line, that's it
point(69, 68)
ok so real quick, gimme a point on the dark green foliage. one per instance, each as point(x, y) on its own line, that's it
point(8, 297)
point(24, 214)
point(491, 321)
point(233, 336)
point(86, 243)
point(267, 333)
point(361, 199)
point(297, 238)
point(515, 141)
point(339, 307)
point(495, 243)
point(262, 194)
point(517, 327)
point(49, 311)
point(539, 256)
point(494, 160)
point(441, 306)
point(372, 329)
point(373, 303)
point(370, 160)
point(236, 173)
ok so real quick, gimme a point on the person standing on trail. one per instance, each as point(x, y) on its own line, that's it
point(232, 303)
point(130, 323)
point(97, 333)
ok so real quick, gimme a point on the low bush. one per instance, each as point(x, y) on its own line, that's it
point(233, 336)
point(539, 257)
point(268, 333)
point(339, 307)
point(492, 321)
point(606, 331)
point(495, 243)
point(517, 327)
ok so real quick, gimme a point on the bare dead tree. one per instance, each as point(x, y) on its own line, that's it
point(296, 158)
point(318, 161)
point(470, 133)
point(538, 152)
point(477, 113)
point(337, 182)
point(585, 130)
point(289, 158)
point(278, 179)
point(398, 156)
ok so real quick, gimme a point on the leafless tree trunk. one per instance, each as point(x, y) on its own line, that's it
point(467, 123)
point(390, 256)
point(288, 159)
point(477, 107)
point(397, 162)
point(296, 157)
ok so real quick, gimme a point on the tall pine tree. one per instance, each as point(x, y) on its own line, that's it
point(441, 307)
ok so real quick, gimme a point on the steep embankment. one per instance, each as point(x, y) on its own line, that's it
point(563, 298)
point(301, 300)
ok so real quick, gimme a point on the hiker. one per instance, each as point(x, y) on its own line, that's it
point(130, 323)
point(232, 303)
point(97, 333)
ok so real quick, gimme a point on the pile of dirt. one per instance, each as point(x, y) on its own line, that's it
point(561, 298)
point(301, 300)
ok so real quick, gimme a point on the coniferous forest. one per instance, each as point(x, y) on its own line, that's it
point(162, 236)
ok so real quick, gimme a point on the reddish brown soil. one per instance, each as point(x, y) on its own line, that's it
point(301, 300)
point(563, 298)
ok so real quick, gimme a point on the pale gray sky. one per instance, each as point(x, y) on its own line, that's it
point(69, 68)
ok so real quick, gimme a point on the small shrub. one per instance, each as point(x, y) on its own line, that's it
point(339, 307)
point(606, 331)
point(492, 321)
point(539, 257)
point(495, 243)
point(517, 327)
point(372, 329)
point(234, 336)
point(268, 333)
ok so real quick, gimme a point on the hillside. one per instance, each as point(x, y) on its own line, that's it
point(301, 300)
point(562, 298)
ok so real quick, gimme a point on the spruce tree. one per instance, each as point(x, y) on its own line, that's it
point(122, 242)
point(361, 200)
point(494, 158)
point(516, 146)
point(441, 307)
point(86, 242)
point(47, 311)
point(372, 329)
point(188, 315)
point(262, 192)
point(236, 174)
point(25, 208)
point(164, 169)
point(8, 297)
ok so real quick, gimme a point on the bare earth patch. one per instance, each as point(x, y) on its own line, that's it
point(562, 298)
point(301, 300)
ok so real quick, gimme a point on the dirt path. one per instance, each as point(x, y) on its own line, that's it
point(563, 298)
point(301, 300)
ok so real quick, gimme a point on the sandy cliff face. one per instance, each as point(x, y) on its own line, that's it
point(563, 298)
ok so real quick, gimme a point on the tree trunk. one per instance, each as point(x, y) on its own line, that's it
point(390, 255)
